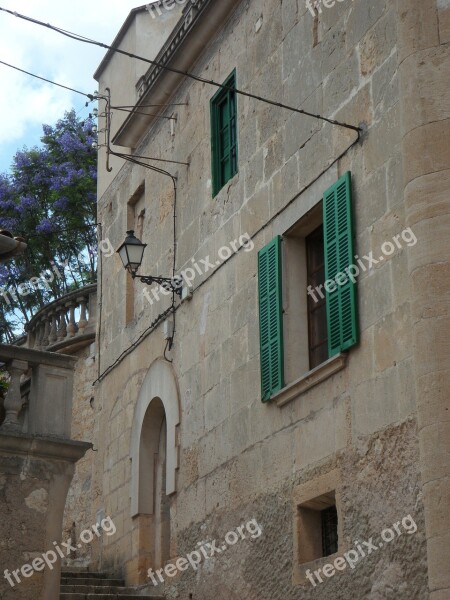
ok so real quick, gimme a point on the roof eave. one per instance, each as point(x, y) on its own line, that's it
point(119, 37)
point(180, 56)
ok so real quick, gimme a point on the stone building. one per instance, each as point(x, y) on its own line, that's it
point(37, 460)
point(305, 425)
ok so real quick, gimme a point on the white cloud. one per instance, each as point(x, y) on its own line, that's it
point(26, 102)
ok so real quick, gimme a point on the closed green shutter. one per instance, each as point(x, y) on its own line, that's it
point(224, 135)
point(342, 319)
point(271, 319)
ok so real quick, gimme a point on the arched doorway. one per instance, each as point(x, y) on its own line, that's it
point(154, 456)
point(162, 503)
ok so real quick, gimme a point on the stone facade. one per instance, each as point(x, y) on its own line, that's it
point(377, 423)
point(78, 511)
point(35, 474)
point(37, 458)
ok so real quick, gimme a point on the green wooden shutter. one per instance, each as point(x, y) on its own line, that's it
point(342, 319)
point(223, 135)
point(271, 319)
point(215, 148)
point(224, 140)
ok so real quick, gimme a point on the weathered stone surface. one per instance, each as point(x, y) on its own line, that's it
point(35, 474)
point(372, 62)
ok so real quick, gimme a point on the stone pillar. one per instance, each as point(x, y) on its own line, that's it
point(424, 70)
point(35, 474)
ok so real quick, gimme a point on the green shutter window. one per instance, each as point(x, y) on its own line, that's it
point(224, 135)
point(271, 319)
point(342, 319)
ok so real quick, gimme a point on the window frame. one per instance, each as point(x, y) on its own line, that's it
point(219, 180)
point(309, 500)
point(340, 222)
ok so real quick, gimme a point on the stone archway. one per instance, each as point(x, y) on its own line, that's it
point(154, 456)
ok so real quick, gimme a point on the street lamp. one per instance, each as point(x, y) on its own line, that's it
point(131, 253)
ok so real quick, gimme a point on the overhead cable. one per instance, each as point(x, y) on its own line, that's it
point(86, 40)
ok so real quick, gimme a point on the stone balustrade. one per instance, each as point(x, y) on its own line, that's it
point(38, 400)
point(66, 324)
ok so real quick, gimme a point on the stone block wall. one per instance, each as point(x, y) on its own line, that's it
point(79, 514)
point(238, 458)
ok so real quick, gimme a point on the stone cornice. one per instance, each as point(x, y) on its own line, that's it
point(42, 447)
point(200, 21)
point(36, 357)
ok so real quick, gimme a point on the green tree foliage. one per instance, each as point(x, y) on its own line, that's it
point(49, 198)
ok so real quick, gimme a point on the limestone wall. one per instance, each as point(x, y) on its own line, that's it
point(79, 514)
point(238, 458)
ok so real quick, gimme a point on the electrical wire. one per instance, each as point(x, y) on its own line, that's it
point(279, 212)
point(176, 162)
point(152, 105)
point(134, 160)
point(130, 158)
point(86, 40)
point(90, 96)
point(165, 350)
point(174, 308)
point(136, 112)
point(99, 299)
point(159, 319)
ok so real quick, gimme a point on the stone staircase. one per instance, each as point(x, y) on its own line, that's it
point(79, 584)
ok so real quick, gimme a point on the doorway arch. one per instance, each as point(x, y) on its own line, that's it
point(154, 462)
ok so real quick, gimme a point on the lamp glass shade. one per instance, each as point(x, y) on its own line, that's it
point(131, 252)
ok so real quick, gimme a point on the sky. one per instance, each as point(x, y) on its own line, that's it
point(26, 103)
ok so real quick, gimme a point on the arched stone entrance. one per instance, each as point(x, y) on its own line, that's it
point(154, 456)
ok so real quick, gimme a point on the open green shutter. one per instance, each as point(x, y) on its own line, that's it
point(270, 319)
point(342, 319)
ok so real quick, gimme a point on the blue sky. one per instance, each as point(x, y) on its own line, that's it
point(26, 103)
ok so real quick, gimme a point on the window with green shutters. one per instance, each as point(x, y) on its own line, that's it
point(338, 241)
point(224, 151)
point(270, 318)
point(340, 322)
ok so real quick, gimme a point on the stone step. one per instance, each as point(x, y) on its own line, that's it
point(84, 574)
point(80, 584)
point(94, 589)
point(92, 581)
point(76, 596)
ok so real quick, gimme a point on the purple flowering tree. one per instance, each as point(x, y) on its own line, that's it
point(49, 198)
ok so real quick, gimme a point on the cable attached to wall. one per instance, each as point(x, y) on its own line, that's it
point(86, 40)
point(90, 96)
point(137, 160)
point(159, 319)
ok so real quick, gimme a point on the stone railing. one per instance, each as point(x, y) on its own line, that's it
point(38, 400)
point(66, 324)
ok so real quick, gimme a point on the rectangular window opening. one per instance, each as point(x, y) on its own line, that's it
point(224, 153)
point(317, 310)
point(329, 523)
point(317, 528)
